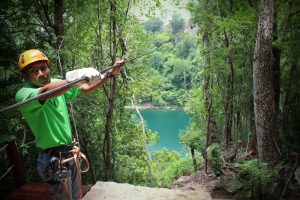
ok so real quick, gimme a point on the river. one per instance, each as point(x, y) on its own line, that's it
point(167, 123)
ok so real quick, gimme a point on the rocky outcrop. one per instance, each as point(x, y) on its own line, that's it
point(122, 191)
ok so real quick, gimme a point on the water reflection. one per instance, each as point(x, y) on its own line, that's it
point(167, 123)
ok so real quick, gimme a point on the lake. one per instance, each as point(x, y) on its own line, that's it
point(167, 123)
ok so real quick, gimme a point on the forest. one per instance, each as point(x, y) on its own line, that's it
point(233, 66)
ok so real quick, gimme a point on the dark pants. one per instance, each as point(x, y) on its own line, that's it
point(62, 190)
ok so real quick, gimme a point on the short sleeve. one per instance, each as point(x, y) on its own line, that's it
point(26, 93)
point(72, 93)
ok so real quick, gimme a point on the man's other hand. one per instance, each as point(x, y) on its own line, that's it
point(91, 73)
point(117, 67)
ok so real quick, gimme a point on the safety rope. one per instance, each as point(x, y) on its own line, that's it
point(77, 154)
point(66, 189)
point(74, 124)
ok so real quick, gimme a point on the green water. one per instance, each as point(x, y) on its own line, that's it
point(167, 123)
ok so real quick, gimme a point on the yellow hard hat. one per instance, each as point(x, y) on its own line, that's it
point(31, 56)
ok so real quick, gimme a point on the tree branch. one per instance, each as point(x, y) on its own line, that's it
point(294, 13)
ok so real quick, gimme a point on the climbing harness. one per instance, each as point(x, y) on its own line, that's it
point(49, 92)
point(76, 155)
point(58, 165)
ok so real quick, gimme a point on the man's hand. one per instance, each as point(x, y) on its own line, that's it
point(117, 67)
point(92, 75)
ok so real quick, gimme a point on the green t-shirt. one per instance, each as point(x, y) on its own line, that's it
point(49, 121)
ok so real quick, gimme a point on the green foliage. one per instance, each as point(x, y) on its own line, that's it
point(161, 38)
point(131, 170)
point(176, 65)
point(289, 61)
point(196, 110)
point(185, 46)
point(156, 61)
point(153, 25)
point(214, 156)
point(87, 43)
point(174, 97)
point(171, 75)
point(177, 23)
point(192, 138)
point(256, 177)
point(130, 156)
point(167, 166)
point(146, 86)
point(230, 31)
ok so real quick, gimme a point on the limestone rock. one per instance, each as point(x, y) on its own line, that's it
point(121, 191)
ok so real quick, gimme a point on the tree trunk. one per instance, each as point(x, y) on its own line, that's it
point(207, 101)
point(88, 156)
point(276, 65)
point(54, 28)
point(194, 159)
point(108, 158)
point(109, 172)
point(59, 33)
point(228, 121)
point(147, 151)
point(291, 76)
point(251, 117)
point(99, 61)
point(228, 104)
point(263, 91)
point(238, 124)
point(184, 81)
point(287, 100)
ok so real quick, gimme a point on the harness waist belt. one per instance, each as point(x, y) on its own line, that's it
point(60, 150)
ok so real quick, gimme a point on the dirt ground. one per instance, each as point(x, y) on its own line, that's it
point(201, 182)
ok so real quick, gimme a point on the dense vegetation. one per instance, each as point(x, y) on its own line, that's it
point(248, 92)
point(206, 65)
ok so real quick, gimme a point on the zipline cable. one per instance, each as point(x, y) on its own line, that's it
point(45, 94)
point(42, 94)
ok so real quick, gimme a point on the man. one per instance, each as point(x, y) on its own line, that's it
point(48, 117)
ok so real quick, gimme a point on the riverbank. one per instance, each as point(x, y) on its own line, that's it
point(150, 106)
